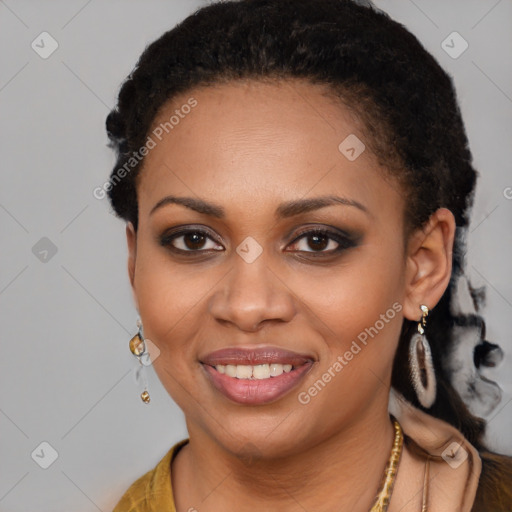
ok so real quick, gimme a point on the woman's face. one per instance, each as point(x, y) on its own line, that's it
point(232, 288)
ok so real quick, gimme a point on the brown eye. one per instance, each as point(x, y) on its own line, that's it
point(190, 240)
point(322, 241)
point(318, 242)
point(194, 241)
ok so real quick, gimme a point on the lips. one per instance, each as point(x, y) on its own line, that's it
point(256, 375)
point(255, 356)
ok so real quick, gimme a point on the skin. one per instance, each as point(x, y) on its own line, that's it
point(248, 147)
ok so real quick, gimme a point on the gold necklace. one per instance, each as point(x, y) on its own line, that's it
point(383, 498)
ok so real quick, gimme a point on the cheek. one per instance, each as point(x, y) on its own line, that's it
point(169, 300)
point(169, 297)
point(357, 310)
point(360, 321)
point(351, 297)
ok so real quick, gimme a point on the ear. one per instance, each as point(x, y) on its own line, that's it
point(429, 263)
point(131, 239)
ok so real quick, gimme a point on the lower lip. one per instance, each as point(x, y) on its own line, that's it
point(256, 391)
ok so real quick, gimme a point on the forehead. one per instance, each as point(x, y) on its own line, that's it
point(258, 140)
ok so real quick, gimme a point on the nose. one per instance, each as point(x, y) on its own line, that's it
point(251, 295)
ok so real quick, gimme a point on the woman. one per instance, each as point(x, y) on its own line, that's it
point(295, 180)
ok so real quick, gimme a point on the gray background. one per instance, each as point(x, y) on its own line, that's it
point(66, 372)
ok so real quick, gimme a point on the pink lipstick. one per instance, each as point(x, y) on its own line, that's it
point(254, 376)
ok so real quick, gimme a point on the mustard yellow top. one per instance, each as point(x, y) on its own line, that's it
point(153, 490)
point(453, 483)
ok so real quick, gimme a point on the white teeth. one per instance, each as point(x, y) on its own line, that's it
point(243, 371)
point(259, 371)
point(276, 370)
point(231, 370)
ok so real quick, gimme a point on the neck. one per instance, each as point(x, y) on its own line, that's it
point(345, 469)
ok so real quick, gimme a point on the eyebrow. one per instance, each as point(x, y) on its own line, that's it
point(284, 210)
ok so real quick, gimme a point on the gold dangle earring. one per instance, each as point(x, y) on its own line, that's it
point(423, 376)
point(139, 350)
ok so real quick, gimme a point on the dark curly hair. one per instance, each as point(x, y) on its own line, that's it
point(404, 100)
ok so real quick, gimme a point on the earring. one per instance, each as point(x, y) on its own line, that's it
point(422, 368)
point(138, 349)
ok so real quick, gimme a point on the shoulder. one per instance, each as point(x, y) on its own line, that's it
point(483, 478)
point(152, 491)
point(494, 493)
point(453, 465)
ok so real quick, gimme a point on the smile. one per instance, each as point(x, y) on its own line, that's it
point(259, 371)
point(255, 376)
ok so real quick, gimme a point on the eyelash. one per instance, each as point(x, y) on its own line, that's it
point(344, 241)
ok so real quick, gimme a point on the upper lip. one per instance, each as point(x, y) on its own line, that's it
point(255, 356)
